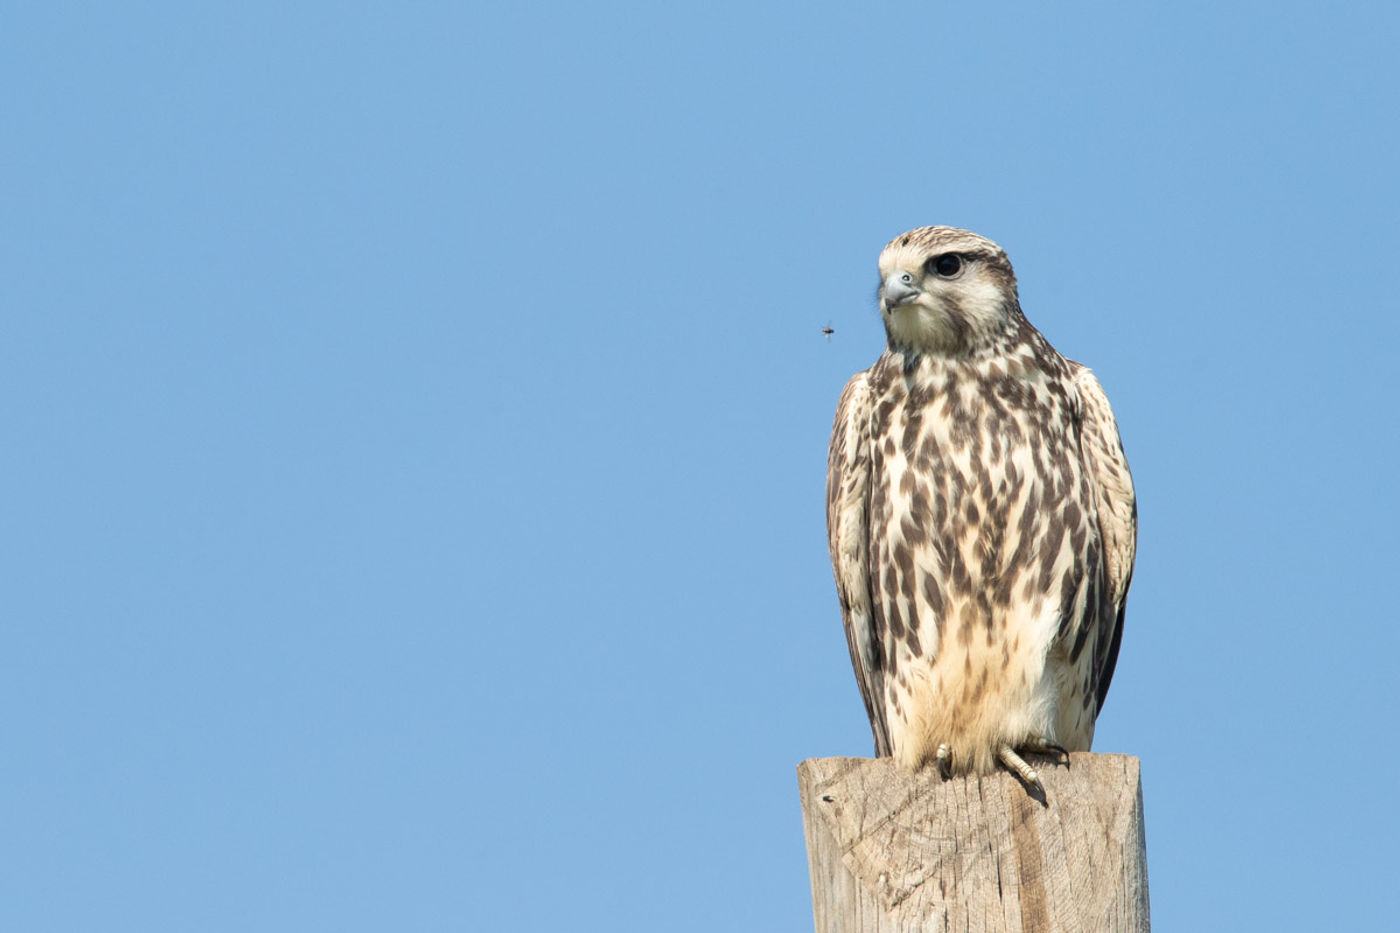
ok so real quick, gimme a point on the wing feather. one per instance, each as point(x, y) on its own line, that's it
point(848, 535)
point(1117, 512)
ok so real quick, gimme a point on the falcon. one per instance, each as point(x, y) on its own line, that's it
point(981, 520)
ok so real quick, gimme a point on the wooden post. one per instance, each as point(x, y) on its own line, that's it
point(897, 852)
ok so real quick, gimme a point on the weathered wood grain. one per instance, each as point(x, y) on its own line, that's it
point(894, 851)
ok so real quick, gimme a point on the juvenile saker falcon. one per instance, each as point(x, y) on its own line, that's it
point(981, 520)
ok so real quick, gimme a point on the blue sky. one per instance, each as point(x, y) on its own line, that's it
point(416, 424)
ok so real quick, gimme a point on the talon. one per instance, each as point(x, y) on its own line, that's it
point(1017, 765)
point(1049, 749)
point(944, 757)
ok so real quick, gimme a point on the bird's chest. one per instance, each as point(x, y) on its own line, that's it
point(951, 453)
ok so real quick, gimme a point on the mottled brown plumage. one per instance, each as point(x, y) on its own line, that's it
point(981, 519)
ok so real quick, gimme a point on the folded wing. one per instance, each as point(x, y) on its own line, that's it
point(848, 535)
point(1117, 510)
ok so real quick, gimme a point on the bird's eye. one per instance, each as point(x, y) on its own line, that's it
point(947, 265)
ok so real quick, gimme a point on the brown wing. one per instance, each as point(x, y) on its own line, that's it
point(848, 535)
point(1117, 510)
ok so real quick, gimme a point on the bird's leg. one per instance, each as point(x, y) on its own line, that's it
point(1017, 765)
point(944, 757)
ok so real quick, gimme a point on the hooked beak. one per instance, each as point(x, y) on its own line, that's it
point(898, 289)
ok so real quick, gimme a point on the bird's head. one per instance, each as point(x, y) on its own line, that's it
point(945, 291)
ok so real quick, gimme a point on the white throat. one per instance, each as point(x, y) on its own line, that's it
point(953, 318)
